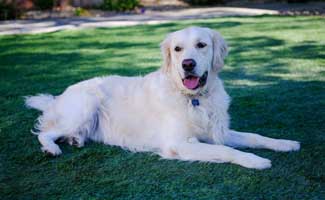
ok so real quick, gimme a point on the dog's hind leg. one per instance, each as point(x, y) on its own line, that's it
point(47, 140)
point(77, 140)
point(72, 116)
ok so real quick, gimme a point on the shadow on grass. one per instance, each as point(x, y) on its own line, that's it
point(100, 53)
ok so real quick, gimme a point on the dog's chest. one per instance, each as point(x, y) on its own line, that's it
point(206, 118)
point(199, 115)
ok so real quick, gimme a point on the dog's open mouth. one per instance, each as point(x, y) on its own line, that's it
point(193, 82)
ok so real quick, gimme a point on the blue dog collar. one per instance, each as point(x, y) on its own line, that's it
point(195, 102)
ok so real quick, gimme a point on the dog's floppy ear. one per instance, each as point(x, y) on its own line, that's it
point(220, 50)
point(165, 50)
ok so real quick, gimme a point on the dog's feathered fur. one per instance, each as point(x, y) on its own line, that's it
point(154, 113)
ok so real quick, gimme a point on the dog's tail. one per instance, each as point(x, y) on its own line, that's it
point(40, 102)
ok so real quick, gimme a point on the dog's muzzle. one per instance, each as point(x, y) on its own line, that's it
point(193, 82)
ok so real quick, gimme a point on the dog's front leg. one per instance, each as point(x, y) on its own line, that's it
point(252, 140)
point(196, 151)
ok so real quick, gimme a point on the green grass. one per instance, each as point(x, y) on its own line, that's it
point(275, 74)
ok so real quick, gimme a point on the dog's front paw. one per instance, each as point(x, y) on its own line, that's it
point(250, 160)
point(287, 145)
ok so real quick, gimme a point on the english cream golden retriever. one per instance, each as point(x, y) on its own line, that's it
point(179, 112)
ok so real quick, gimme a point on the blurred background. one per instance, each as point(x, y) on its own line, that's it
point(42, 9)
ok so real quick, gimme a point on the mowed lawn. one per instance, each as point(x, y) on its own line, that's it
point(275, 74)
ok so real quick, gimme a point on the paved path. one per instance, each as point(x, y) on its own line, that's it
point(150, 17)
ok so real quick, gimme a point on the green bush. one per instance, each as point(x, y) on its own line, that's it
point(44, 4)
point(81, 12)
point(9, 11)
point(297, 1)
point(204, 2)
point(120, 5)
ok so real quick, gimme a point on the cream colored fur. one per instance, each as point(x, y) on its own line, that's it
point(154, 113)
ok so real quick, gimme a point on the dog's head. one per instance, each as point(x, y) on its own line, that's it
point(192, 56)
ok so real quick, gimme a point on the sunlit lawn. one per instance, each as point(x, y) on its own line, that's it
point(275, 74)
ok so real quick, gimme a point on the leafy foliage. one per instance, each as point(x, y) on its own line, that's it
point(8, 11)
point(81, 12)
point(120, 5)
point(204, 2)
point(44, 4)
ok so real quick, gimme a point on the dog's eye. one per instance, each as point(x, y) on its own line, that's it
point(177, 48)
point(201, 45)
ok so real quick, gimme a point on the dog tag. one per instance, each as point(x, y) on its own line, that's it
point(195, 102)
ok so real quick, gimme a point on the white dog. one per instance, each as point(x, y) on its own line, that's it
point(178, 112)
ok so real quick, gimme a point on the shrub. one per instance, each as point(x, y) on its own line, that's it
point(120, 5)
point(204, 2)
point(297, 1)
point(9, 11)
point(81, 12)
point(44, 4)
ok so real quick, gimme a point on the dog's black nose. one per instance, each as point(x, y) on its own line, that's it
point(188, 64)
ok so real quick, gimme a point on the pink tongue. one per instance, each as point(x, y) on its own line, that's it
point(191, 83)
